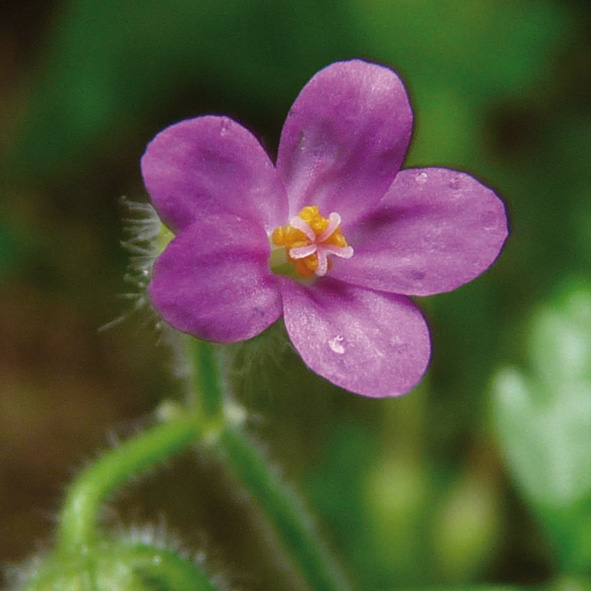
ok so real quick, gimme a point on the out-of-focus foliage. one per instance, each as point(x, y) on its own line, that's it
point(111, 63)
point(409, 491)
point(544, 421)
point(459, 58)
point(11, 250)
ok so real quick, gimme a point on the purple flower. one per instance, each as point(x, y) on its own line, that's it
point(334, 237)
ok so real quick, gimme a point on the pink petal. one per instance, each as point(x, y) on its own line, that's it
point(371, 343)
point(213, 281)
point(435, 230)
point(345, 139)
point(211, 165)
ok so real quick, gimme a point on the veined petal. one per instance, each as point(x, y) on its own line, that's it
point(435, 230)
point(213, 281)
point(345, 139)
point(371, 343)
point(210, 165)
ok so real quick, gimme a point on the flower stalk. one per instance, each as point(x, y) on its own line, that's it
point(79, 523)
point(208, 396)
point(291, 522)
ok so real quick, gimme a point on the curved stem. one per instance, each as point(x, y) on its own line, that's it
point(167, 569)
point(80, 515)
point(291, 522)
point(81, 510)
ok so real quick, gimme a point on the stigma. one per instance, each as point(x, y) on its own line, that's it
point(310, 239)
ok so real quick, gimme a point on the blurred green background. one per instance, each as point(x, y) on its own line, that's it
point(481, 475)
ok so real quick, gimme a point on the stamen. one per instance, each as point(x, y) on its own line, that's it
point(322, 263)
point(303, 226)
point(345, 252)
point(302, 251)
point(334, 221)
point(308, 241)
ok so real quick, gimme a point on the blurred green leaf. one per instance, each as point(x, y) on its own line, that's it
point(543, 418)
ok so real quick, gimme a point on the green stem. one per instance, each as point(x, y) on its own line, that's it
point(292, 524)
point(80, 515)
point(210, 404)
point(81, 510)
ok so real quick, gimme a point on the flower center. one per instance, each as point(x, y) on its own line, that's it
point(308, 241)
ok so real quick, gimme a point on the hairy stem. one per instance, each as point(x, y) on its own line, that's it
point(81, 510)
point(291, 522)
point(210, 402)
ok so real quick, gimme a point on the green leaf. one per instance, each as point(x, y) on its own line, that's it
point(543, 417)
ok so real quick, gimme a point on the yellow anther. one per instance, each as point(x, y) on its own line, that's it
point(319, 224)
point(311, 262)
point(302, 269)
point(290, 238)
point(287, 236)
point(337, 239)
point(278, 236)
point(299, 243)
point(308, 213)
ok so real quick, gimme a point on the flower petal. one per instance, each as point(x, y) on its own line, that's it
point(371, 343)
point(213, 281)
point(435, 230)
point(210, 165)
point(345, 139)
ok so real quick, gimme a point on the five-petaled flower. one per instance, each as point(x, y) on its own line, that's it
point(334, 237)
